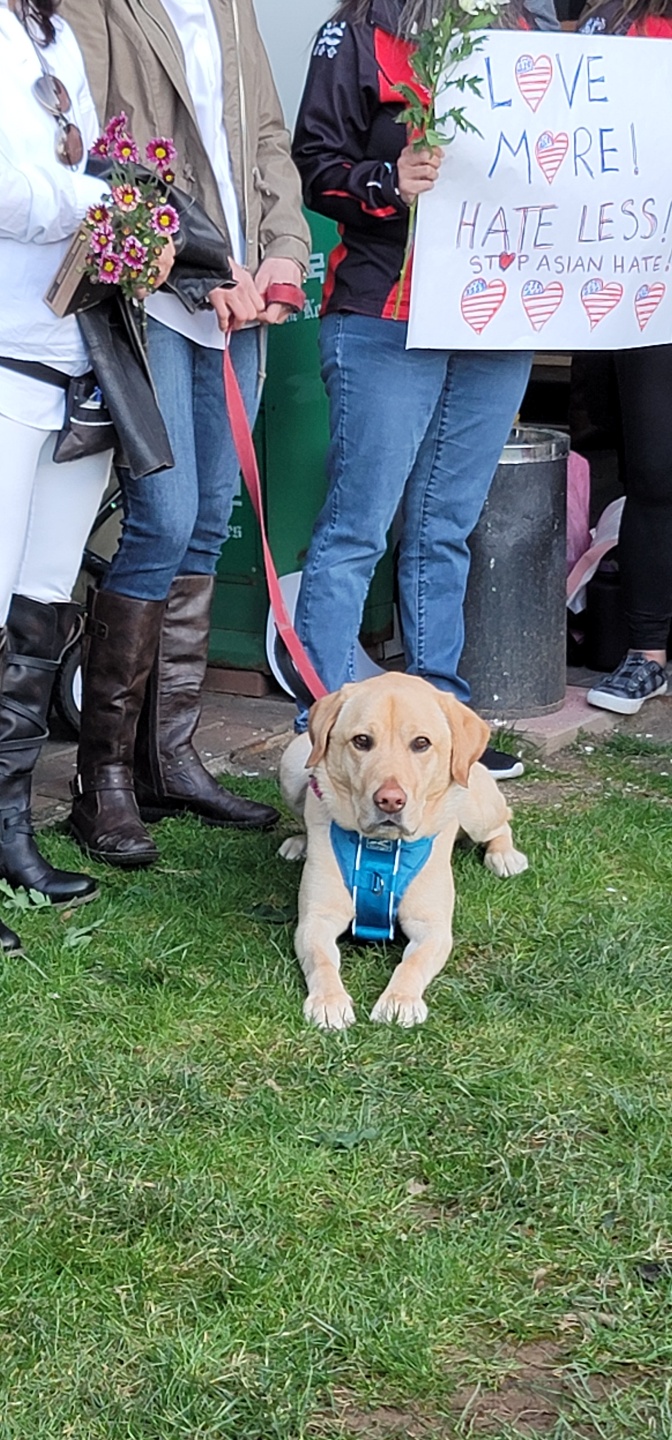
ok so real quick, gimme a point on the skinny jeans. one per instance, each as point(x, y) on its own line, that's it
point(415, 431)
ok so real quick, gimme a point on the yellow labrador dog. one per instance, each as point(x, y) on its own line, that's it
point(384, 781)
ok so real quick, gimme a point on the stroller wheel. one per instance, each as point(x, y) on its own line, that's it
point(67, 696)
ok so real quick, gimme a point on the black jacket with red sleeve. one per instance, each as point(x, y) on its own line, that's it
point(346, 147)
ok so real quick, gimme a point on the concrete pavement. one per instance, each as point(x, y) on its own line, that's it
point(241, 735)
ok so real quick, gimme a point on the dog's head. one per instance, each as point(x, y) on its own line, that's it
point(389, 749)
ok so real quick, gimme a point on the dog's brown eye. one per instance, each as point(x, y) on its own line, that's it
point(362, 742)
point(420, 743)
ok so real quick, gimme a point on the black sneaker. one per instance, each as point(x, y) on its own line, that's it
point(500, 765)
point(636, 680)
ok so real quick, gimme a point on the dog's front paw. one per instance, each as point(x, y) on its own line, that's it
point(294, 848)
point(329, 1012)
point(505, 863)
point(407, 1010)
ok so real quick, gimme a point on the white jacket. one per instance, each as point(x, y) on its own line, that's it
point(41, 200)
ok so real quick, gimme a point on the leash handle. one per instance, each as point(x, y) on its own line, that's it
point(284, 294)
point(244, 445)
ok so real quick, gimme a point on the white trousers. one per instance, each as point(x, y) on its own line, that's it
point(46, 514)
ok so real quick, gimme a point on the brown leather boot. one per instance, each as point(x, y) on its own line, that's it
point(37, 635)
point(120, 644)
point(170, 779)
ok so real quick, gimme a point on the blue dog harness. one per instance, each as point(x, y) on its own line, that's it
point(377, 874)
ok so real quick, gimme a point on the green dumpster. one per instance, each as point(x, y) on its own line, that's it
point(291, 439)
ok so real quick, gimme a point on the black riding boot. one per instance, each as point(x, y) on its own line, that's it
point(37, 635)
point(9, 941)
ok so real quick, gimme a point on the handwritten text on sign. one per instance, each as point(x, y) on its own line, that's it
point(552, 229)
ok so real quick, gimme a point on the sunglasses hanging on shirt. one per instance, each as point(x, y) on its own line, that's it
point(52, 95)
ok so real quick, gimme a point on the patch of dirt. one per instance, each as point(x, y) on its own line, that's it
point(653, 722)
point(260, 757)
point(536, 1390)
point(557, 778)
point(538, 1385)
point(385, 1422)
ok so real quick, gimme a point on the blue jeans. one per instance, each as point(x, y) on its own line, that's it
point(176, 522)
point(420, 429)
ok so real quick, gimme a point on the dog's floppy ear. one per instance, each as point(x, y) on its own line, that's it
point(321, 720)
point(470, 737)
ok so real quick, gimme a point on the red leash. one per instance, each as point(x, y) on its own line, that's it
point(242, 439)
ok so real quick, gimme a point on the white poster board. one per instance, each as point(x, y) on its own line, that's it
point(552, 229)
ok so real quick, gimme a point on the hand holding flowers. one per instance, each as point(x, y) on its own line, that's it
point(440, 51)
point(417, 171)
point(130, 236)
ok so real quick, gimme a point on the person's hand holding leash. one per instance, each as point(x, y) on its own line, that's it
point(417, 171)
point(242, 305)
point(277, 272)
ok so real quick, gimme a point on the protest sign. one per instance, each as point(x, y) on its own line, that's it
point(552, 228)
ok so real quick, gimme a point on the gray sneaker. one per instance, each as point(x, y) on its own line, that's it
point(636, 680)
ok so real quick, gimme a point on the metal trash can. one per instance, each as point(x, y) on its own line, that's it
point(515, 611)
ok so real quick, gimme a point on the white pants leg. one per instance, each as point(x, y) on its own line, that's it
point(46, 513)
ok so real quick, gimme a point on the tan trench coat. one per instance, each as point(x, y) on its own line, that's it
point(134, 62)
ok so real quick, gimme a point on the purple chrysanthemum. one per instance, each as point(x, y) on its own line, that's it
point(161, 152)
point(125, 150)
point(110, 268)
point(134, 252)
point(127, 197)
point(116, 127)
point(102, 239)
point(165, 220)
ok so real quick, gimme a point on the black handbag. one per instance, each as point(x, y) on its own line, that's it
point(201, 249)
point(88, 428)
point(201, 254)
point(114, 342)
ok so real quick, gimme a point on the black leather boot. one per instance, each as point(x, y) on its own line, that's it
point(119, 648)
point(170, 778)
point(37, 635)
point(9, 940)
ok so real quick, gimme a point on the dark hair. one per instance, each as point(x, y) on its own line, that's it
point(629, 12)
point(41, 12)
point(417, 15)
point(414, 15)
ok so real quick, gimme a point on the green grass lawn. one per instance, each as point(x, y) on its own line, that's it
point(216, 1222)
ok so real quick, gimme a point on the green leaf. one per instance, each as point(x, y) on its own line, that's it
point(408, 93)
point(81, 935)
point(23, 899)
point(344, 1139)
point(272, 914)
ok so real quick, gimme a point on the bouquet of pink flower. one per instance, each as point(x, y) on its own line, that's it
point(127, 234)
